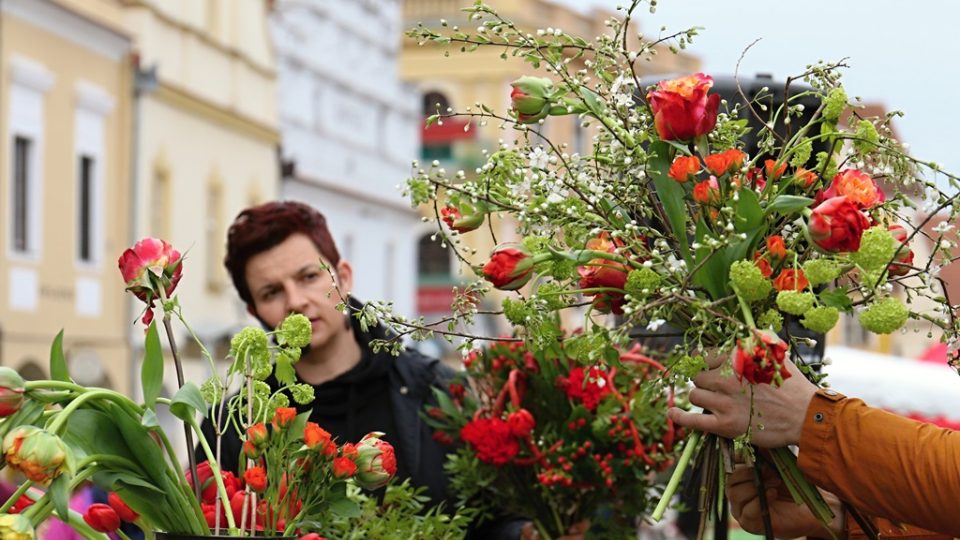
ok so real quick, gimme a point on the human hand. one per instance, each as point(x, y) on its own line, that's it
point(779, 411)
point(575, 532)
point(788, 519)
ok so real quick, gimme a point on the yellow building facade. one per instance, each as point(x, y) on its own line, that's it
point(64, 212)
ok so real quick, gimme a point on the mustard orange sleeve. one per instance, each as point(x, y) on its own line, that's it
point(885, 465)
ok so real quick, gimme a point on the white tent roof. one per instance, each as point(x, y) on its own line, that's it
point(898, 384)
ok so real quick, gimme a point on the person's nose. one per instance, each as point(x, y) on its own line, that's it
point(296, 300)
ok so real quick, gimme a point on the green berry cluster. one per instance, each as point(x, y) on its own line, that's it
point(748, 281)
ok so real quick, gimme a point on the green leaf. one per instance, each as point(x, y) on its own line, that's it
point(836, 298)
point(187, 402)
point(112, 480)
point(151, 373)
point(788, 203)
point(150, 420)
point(283, 370)
point(58, 364)
point(711, 275)
point(60, 496)
point(671, 195)
point(345, 507)
point(29, 413)
point(592, 101)
point(749, 214)
point(148, 453)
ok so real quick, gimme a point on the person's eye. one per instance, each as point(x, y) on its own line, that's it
point(269, 295)
point(311, 276)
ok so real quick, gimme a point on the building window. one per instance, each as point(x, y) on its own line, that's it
point(22, 148)
point(159, 203)
point(85, 195)
point(215, 237)
point(433, 260)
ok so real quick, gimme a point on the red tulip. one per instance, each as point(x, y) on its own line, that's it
point(376, 461)
point(509, 268)
point(11, 391)
point(102, 518)
point(521, 422)
point(125, 512)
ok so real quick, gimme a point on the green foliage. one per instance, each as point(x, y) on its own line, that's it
point(884, 316)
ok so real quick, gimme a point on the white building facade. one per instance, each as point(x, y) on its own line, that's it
point(350, 129)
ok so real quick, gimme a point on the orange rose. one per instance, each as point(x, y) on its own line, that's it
point(804, 177)
point(791, 280)
point(856, 186)
point(707, 192)
point(776, 247)
point(773, 171)
point(682, 110)
point(763, 264)
point(684, 168)
point(283, 417)
point(725, 162)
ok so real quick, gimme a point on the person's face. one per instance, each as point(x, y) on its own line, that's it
point(290, 278)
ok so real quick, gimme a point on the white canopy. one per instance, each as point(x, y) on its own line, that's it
point(901, 385)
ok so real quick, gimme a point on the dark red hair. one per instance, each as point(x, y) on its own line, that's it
point(260, 228)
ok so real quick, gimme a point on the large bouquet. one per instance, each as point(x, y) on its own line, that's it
point(674, 224)
point(294, 478)
point(552, 440)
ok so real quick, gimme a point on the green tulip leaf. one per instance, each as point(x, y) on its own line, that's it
point(788, 203)
point(187, 402)
point(151, 373)
point(345, 507)
point(59, 491)
point(58, 364)
point(671, 195)
point(749, 214)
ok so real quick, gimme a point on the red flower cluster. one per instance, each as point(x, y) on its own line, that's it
point(837, 224)
point(763, 361)
point(588, 387)
point(492, 440)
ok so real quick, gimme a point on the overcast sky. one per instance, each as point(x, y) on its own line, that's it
point(904, 57)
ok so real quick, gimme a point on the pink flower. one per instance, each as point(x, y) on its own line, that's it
point(149, 267)
point(856, 186)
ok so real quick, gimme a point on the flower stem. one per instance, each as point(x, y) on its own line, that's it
point(217, 477)
point(693, 441)
point(191, 458)
point(745, 309)
point(16, 496)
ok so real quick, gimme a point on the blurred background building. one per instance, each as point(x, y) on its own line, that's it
point(64, 192)
point(350, 131)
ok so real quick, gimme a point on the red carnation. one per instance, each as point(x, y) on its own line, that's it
point(491, 439)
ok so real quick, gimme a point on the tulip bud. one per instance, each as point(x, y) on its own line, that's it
point(531, 98)
point(509, 268)
point(38, 454)
point(257, 434)
point(125, 512)
point(11, 391)
point(16, 527)
point(102, 518)
point(456, 219)
point(376, 461)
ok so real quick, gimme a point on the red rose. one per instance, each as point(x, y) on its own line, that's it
point(442, 438)
point(491, 439)
point(601, 272)
point(901, 266)
point(588, 387)
point(509, 268)
point(256, 478)
point(125, 512)
point(521, 423)
point(856, 186)
point(102, 518)
point(684, 168)
point(707, 192)
point(837, 224)
point(791, 280)
point(728, 161)
point(761, 362)
point(682, 110)
point(344, 467)
point(283, 416)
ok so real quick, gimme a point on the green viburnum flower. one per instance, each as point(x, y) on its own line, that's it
point(829, 168)
point(279, 400)
point(261, 368)
point(821, 319)
point(689, 366)
point(820, 271)
point(295, 331)
point(250, 341)
point(794, 302)
point(771, 319)
point(644, 279)
point(516, 311)
point(302, 393)
point(877, 247)
point(867, 136)
point(834, 104)
point(872, 279)
point(749, 281)
point(291, 354)
point(884, 316)
point(261, 389)
point(548, 293)
point(802, 154)
point(212, 390)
